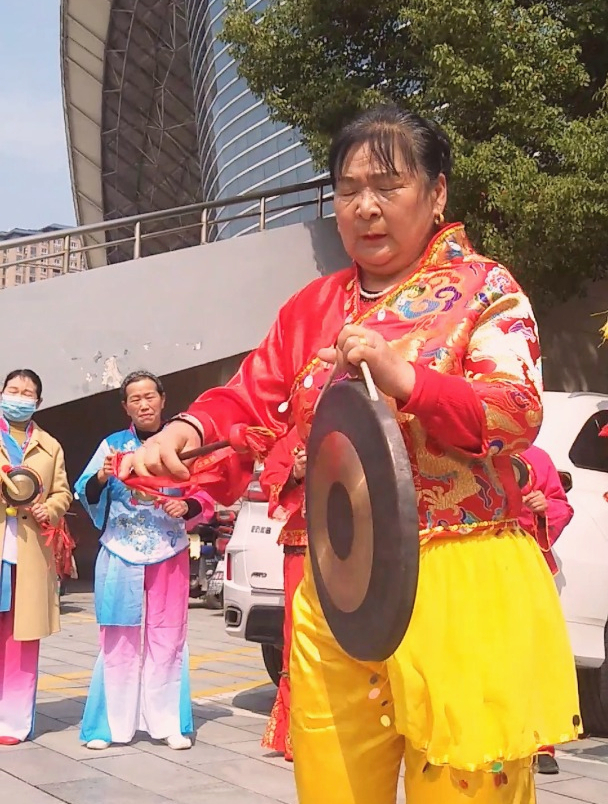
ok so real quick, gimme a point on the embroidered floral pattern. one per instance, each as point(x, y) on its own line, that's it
point(492, 342)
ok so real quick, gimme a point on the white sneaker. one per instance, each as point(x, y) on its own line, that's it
point(98, 745)
point(178, 742)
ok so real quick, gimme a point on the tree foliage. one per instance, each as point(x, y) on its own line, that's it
point(521, 88)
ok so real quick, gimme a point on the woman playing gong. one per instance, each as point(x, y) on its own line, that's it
point(484, 675)
point(29, 599)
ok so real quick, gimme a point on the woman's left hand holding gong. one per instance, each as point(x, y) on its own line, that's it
point(392, 375)
point(40, 512)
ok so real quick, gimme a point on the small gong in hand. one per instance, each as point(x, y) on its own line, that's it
point(25, 487)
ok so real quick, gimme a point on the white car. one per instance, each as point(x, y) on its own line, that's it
point(254, 574)
point(253, 585)
point(570, 434)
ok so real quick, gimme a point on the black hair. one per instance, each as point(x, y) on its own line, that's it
point(423, 144)
point(136, 376)
point(27, 374)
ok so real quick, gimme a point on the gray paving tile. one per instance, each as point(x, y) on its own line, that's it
point(14, 789)
point(546, 781)
point(259, 700)
point(27, 745)
point(219, 793)
point(71, 671)
point(102, 791)
point(544, 796)
point(81, 661)
point(254, 750)
point(49, 767)
point(583, 745)
point(74, 644)
point(68, 743)
point(45, 724)
point(236, 671)
point(64, 708)
point(48, 665)
point(151, 772)
point(204, 646)
point(597, 751)
point(591, 791)
point(212, 709)
point(254, 725)
point(220, 734)
point(581, 767)
point(259, 777)
point(207, 679)
point(200, 755)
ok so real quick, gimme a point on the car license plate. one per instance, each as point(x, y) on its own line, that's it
point(216, 582)
point(195, 545)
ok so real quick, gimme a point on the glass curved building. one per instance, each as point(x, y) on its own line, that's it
point(157, 117)
point(241, 149)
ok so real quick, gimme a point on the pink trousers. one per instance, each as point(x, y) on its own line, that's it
point(18, 678)
point(141, 680)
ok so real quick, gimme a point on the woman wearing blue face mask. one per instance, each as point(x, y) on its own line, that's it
point(29, 602)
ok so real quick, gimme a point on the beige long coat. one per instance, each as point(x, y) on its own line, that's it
point(36, 595)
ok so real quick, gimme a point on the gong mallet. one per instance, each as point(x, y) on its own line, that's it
point(367, 379)
point(206, 449)
point(142, 497)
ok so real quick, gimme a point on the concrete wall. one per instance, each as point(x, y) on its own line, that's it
point(190, 316)
point(167, 313)
point(173, 312)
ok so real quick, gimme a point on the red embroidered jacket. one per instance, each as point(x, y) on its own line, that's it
point(468, 329)
point(286, 504)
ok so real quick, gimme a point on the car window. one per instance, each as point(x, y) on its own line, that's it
point(589, 450)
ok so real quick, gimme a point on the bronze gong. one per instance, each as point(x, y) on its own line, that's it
point(362, 518)
point(26, 486)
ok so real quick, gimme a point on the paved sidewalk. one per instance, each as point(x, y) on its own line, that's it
point(226, 765)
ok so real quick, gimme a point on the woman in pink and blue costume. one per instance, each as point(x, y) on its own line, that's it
point(139, 684)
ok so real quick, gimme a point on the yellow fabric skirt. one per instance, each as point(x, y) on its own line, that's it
point(484, 676)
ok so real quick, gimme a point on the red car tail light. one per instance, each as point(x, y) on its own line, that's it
point(229, 567)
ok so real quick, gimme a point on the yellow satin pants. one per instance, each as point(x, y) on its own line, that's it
point(484, 676)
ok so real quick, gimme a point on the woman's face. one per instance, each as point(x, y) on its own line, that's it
point(22, 386)
point(385, 219)
point(144, 405)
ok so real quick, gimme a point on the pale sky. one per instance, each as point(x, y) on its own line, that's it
point(34, 176)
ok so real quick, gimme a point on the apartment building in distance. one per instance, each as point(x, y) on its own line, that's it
point(43, 260)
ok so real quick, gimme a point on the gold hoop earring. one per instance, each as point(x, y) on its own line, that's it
point(439, 219)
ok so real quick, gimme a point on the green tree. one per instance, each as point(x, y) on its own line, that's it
point(519, 86)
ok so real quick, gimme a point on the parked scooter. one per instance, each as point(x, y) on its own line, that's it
point(207, 548)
